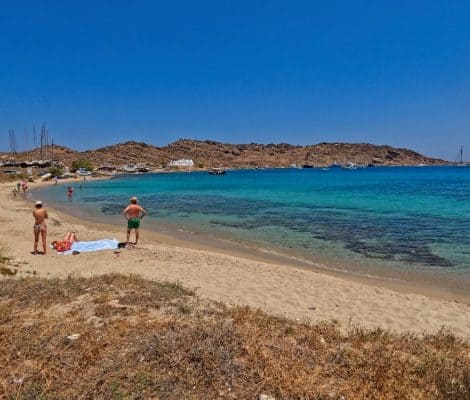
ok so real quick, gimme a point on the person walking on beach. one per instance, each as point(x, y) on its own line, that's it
point(40, 227)
point(24, 186)
point(133, 213)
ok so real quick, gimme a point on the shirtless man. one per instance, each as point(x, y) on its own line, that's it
point(133, 213)
point(40, 227)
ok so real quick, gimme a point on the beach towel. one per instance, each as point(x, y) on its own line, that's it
point(95, 245)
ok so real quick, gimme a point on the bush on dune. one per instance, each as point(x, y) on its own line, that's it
point(140, 339)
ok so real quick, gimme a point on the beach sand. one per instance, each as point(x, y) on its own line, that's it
point(278, 288)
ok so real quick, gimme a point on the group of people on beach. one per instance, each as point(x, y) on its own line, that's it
point(133, 214)
point(20, 186)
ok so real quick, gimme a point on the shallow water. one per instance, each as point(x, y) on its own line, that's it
point(395, 218)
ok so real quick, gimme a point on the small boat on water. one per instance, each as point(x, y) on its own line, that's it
point(217, 171)
point(350, 166)
point(459, 161)
point(307, 166)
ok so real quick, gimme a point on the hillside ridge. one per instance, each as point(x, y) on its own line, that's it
point(210, 153)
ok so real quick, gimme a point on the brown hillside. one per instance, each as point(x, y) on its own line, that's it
point(211, 154)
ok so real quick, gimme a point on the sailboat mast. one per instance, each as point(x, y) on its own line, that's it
point(461, 154)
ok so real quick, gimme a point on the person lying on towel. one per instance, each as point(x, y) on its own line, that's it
point(66, 243)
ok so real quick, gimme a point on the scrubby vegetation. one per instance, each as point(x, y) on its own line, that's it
point(56, 171)
point(4, 267)
point(12, 177)
point(81, 163)
point(123, 337)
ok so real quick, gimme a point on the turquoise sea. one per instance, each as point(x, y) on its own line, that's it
point(383, 219)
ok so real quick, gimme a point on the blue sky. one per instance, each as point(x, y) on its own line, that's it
point(303, 72)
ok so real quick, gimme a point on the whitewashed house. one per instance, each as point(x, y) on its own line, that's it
point(184, 162)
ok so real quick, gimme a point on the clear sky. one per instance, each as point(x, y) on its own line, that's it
point(101, 72)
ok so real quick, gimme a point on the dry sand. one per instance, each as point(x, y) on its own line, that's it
point(279, 289)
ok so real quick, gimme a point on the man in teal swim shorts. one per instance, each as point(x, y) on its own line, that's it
point(133, 213)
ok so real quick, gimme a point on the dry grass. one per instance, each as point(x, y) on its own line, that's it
point(13, 177)
point(142, 339)
point(5, 269)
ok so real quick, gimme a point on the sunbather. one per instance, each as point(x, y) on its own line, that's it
point(66, 243)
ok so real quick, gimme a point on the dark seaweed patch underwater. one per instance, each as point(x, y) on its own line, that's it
point(417, 217)
point(407, 239)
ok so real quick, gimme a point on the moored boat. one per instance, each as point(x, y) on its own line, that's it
point(460, 162)
point(350, 165)
point(217, 171)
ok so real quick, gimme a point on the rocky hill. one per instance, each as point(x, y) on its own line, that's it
point(214, 154)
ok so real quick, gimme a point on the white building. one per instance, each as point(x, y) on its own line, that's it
point(184, 162)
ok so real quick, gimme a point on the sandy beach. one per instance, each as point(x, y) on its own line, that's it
point(277, 288)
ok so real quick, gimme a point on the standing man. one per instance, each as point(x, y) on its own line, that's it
point(70, 192)
point(133, 213)
point(40, 227)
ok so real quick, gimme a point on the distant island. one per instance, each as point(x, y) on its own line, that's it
point(209, 154)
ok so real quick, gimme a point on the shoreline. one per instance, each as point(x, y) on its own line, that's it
point(238, 276)
point(404, 281)
point(200, 241)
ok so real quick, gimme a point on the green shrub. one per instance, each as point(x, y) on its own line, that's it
point(81, 163)
point(56, 171)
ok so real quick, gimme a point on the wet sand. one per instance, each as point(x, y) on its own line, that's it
point(236, 275)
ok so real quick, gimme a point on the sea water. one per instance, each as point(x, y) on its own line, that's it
point(392, 218)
